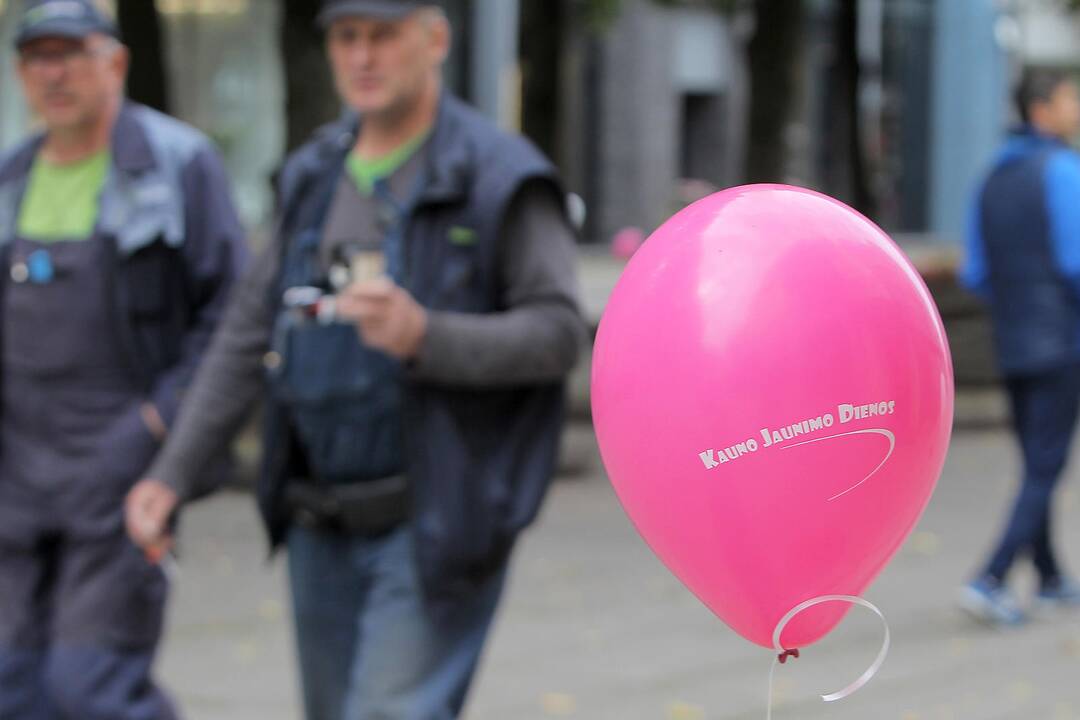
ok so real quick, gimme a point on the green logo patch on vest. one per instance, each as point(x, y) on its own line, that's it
point(461, 235)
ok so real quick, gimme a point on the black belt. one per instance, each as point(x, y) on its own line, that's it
point(368, 509)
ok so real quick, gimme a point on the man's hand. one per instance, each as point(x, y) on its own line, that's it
point(387, 316)
point(147, 511)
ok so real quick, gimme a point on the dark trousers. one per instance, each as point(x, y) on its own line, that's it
point(70, 682)
point(80, 618)
point(1044, 408)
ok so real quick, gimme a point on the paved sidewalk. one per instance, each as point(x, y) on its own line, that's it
point(595, 628)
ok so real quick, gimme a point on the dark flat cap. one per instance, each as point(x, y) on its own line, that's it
point(62, 18)
point(380, 9)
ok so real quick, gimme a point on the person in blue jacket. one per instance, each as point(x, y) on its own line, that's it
point(1023, 259)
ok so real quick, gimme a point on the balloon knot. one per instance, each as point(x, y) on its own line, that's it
point(786, 654)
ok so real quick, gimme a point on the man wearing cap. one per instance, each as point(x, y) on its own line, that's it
point(118, 245)
point(412, 326)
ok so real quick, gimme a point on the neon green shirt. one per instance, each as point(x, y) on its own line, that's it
point(365, 173)
point(61, 201)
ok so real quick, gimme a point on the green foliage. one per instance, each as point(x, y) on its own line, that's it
point(724, 6)
point(598, 14)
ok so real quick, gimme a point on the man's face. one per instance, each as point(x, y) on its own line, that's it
point(1060, 115)
point(71, 82)
point(383, 66)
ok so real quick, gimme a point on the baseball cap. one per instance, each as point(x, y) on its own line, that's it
point(380, 9)
point(62, 18)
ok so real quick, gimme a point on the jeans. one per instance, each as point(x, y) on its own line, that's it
point(368, 647)
point(1044, 409)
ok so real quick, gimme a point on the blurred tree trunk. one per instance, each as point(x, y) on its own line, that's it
point(847, 174)
point(540, 41)
point(775, 54)
point(310, 99)
point(140, 26)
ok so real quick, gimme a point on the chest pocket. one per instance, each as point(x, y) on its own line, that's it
point(453, 269)
point(141, 210)
point(458, 287)
point(344, 398)
point(321, 365)
point(144, 216)
point(325, 365)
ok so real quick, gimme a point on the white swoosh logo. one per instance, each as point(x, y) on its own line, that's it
point(873, 431)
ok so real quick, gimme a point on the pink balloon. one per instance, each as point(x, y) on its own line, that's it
point(772, 393)
point(626, 242)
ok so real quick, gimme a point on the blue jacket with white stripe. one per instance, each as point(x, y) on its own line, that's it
point(1023, 252)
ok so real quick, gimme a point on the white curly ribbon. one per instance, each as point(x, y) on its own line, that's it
point(783, 653)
